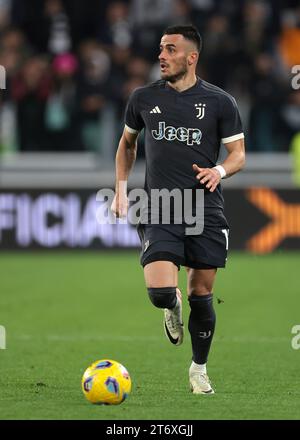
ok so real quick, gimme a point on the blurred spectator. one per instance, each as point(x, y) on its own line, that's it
point(289, 40)
point(181, 13)
point(61, 115)
point(137, 73)
point(219, 47)
point(201, 10)
point(86, 18)
point(45, 23)
point(148, 21)
point(116, 32)
point(13, 52)
point(146, 13)
point(256, 17)
point(30, 90)
point(92, 91)
point(264, 105)
point(5, 6)
point(118, 76)
point(59, 36)
point(290, 118)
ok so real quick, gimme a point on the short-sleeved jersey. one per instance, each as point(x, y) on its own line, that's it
point(183, 128)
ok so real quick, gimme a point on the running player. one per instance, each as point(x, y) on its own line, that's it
point(185, 120)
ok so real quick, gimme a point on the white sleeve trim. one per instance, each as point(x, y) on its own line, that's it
point(131, 130)
point(233, 138)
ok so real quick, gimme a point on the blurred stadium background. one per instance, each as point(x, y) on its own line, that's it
point(70, 66)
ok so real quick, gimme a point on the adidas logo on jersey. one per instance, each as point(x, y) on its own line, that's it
point(155, 110)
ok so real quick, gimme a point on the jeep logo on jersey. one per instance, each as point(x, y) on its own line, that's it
point(190, 136)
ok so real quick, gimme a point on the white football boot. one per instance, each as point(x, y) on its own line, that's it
point(173, 324)
point(199, 382)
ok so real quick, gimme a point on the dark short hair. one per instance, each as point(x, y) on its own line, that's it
point(189, 32)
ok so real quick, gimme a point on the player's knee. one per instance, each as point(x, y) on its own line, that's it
point(162, 297)
point(201, 289)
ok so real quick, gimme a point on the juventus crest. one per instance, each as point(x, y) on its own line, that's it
point(201, 110)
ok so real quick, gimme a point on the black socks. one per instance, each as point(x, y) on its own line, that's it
point(201, 326)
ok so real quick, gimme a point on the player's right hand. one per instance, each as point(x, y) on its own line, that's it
point(119, 205)
point(210, 177)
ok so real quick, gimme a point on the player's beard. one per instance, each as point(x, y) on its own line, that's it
point(172, 78)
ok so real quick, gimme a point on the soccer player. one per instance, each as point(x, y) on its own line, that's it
point(185, 120)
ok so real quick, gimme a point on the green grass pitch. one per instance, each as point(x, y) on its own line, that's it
point(62, 311)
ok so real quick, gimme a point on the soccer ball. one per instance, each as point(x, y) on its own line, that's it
point(106, 382)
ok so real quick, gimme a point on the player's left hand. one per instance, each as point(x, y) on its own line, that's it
point(210, 177)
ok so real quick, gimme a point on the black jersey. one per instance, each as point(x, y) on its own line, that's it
point(183, 128)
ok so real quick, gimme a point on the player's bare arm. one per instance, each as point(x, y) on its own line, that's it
point(125, 158)
point(233, 163)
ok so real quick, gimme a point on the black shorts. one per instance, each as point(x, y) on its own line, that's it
point(170, 243)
